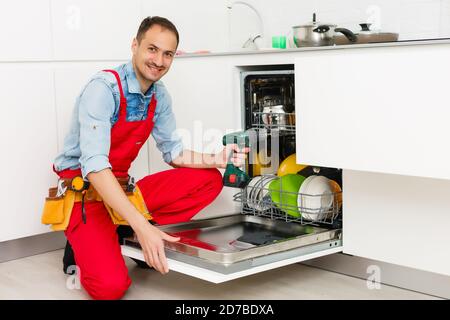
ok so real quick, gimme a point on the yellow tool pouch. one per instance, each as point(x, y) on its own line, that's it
point(137, 200)
point(57, 209)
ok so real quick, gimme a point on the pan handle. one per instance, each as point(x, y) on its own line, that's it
point(347, 33)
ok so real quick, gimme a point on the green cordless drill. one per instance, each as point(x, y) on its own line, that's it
point(233, 176)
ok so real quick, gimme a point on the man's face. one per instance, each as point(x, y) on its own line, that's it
point(154, 54)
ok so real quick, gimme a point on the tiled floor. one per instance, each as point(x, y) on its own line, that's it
point(41, 277)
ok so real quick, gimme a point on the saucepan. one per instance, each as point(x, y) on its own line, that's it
point(316, 34)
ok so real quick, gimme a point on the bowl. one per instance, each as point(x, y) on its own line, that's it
point(276, 116)
point(330, 173)
point(284, 193)
point(315, 198)
point(336, 189)
point(289, 166)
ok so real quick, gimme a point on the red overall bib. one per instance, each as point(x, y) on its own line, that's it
point(171, 196)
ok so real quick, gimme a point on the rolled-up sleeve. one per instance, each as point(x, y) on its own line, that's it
point(164, 132)
point(96, 107)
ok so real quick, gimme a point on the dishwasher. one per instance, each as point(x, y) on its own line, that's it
point(279, 222)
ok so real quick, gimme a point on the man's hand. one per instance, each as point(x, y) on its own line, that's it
point(150, 237)
point(151, 241)
point(237, 158)
point(192, 159)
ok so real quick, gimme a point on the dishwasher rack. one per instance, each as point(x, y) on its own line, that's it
point(291, 206)
point(284, 122)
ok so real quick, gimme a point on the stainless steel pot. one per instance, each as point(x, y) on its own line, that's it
point(316, 34)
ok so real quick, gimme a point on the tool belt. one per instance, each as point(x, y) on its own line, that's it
point(61, 199)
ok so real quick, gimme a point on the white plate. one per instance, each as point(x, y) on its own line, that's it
point(315, 198)
point(258, 191)
point(252, 189)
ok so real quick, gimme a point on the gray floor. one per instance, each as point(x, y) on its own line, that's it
point(40, 277)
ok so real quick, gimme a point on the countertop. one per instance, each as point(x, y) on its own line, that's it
point(335, 47)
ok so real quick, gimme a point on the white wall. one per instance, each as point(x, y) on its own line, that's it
point(412, 19)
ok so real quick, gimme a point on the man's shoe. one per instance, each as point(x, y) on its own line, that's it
point(68, 259)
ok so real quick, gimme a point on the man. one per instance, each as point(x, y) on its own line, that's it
point(113, 117)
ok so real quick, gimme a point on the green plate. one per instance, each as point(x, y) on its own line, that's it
point(284, 193)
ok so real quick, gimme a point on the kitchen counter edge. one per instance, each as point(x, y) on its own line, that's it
point(322, 48)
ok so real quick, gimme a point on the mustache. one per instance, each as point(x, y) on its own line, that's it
point(156, 66)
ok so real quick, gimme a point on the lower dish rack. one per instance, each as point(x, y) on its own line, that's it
point(262, 199)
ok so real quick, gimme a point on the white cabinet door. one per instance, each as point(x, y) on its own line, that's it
point(397, 219)
point(382, 109)
point(94, 30)
point(205, 96)
point(28, 143)
point(25, 30)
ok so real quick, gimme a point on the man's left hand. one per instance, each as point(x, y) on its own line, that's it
point(238, 155)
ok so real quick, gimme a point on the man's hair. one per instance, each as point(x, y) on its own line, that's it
point(149, 22)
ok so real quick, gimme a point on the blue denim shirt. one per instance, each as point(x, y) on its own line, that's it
point(96, 110)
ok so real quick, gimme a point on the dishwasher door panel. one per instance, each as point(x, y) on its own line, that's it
point(227, 248)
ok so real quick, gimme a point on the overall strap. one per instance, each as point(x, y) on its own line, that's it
point(123, 100)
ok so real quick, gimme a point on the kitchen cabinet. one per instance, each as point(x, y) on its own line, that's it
point(380, 109)
point(381, 115)
point(28, 140)
point(397, 219)
point(93, 30)
point(26, 31)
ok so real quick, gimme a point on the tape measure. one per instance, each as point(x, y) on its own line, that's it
point(78, 184)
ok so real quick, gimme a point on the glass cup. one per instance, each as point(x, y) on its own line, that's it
point(279, 42)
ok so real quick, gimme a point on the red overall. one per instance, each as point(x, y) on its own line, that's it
point(171, 196)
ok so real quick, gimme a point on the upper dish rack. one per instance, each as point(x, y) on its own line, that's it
point(284, 122)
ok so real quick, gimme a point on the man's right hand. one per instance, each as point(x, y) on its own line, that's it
point(152, 244)
point(150, 237)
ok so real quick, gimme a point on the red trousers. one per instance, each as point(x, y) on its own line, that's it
point(171, 196)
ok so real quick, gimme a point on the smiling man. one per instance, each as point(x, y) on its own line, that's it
point(114, 115)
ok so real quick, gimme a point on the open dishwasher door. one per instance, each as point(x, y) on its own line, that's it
point(227, 248)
